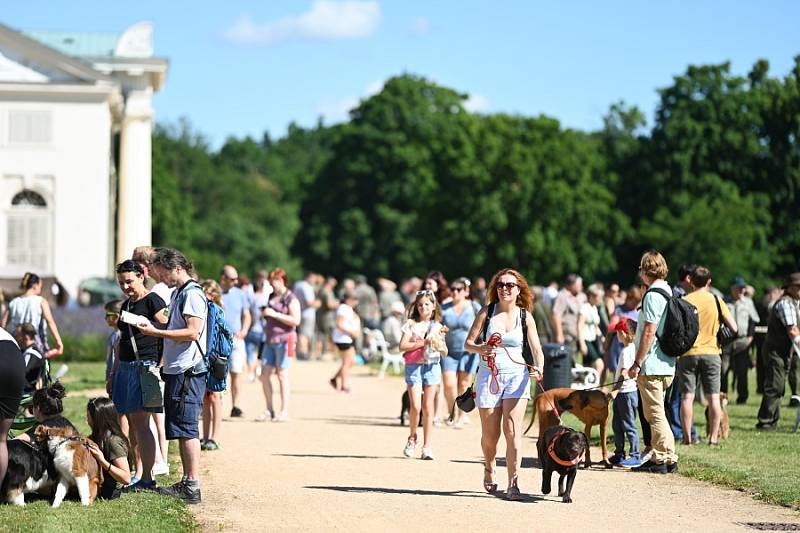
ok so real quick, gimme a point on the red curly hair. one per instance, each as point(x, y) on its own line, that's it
point(525, 296)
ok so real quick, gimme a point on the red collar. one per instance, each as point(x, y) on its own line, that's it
point(556, 458)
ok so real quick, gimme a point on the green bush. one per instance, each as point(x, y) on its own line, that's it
point(88, 347)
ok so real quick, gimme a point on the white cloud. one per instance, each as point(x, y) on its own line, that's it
point(422, 26)
point(476, 103)
point(326, 20)
point(338, 109)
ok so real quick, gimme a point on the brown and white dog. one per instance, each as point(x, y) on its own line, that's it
point(74, 464)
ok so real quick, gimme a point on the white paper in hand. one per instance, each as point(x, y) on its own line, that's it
point(133, 319)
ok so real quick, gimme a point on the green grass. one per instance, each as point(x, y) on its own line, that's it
point(764, 465)
point(82, 375)
point(132, 512)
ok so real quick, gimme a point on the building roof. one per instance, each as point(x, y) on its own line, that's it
point(77, 44)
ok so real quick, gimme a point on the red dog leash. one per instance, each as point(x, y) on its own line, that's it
point(496, 341)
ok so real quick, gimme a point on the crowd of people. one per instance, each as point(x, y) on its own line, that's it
point(496, 334)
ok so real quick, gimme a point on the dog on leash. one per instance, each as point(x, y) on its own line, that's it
point(74, 464)
point(724, 422)
point(30, 470)
point(560, 450)
point(590, 406)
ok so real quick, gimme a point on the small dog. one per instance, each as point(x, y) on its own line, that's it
point(74, 464)
point(560, 450)
point(30, 469)
point(724, 422)
point(590, 406)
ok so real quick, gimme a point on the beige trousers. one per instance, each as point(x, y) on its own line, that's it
point(662, 441)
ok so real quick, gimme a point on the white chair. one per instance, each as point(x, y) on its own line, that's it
point(376, 344)
point(584, 377)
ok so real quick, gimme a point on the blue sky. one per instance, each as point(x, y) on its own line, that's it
point(242, 67)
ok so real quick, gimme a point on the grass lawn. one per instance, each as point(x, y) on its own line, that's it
point(132, 512)
point(765, 465)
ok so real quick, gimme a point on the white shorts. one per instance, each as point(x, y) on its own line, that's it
point(508, 386)
point(238, 356)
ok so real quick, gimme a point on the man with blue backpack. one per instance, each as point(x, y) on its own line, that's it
point(184, 369)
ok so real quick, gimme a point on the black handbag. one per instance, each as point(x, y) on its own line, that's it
point(724, 335)
point(466, 401)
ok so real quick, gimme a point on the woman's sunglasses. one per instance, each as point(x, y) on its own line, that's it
point(457, 289)
point(426, 292)
point(508, 286)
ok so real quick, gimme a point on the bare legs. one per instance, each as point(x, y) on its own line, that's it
point(714, 416)
point(421, 398)
point(339, 380)
point(283, 382)
point(212, 415)
point(5, 426)
point(509, 415)
point(140, 425)
point(450, 384)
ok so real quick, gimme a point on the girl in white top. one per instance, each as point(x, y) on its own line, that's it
point(503, 382)
point(348, 329)
point(31, 308)
point(590, 337)
point(424, 346)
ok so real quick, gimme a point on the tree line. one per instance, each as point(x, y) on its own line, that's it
point(413, 181)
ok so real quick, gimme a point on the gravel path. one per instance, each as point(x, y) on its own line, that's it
point(338, 465)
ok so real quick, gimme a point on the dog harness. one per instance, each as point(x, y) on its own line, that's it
point(552, 452)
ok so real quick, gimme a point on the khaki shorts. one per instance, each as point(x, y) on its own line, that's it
point(707, 367)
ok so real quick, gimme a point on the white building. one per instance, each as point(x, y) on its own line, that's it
point(75, 150)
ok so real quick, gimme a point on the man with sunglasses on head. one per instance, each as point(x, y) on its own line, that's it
point(237, 316)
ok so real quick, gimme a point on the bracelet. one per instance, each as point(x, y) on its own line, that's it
point(108, 468)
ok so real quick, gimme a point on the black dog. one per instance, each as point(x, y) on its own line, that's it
point(30, 469)
point(560, 450)
point(405, 406)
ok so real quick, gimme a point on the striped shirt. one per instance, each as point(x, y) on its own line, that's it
point(787, 311)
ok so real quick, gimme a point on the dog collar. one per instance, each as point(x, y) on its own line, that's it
point(552, 452)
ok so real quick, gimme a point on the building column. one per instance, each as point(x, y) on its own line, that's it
point(135, 174)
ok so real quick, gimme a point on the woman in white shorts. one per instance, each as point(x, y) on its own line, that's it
point(503, 381)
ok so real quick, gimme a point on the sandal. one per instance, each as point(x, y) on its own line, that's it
point(513, 493)
point(489, 486)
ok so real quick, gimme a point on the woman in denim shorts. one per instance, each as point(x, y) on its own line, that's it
point(282, 315)
point(459, 365)
point(423, 343)
point(137, 350)
point(503, 381)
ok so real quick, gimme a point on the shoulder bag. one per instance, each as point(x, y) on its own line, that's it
point(724, 335)
point(148, 381)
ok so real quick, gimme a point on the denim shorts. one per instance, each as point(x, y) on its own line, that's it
point(180, 421)
point(126, 391)
point(253, 344)
point(460, 362)
point(509, 386)
point(275, 355)
point(423, 374)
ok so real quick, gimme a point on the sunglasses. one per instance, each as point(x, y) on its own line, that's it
point(457, 289)
point(508, 286)
point(108, 314)
point(426, 292)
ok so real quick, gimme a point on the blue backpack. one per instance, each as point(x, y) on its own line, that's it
point(219, 346)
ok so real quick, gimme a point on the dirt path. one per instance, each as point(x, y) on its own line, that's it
point(338, 465)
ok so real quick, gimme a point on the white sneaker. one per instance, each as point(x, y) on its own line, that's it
point(465, 419)
point(161, 469)
point(258, 371)
point(437, 422)
point(646, 457)
point(411, 446)
point(427, 454)
point(251, 378)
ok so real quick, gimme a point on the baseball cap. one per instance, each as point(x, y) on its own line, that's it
point(739, 281)
point(792, 279)
point(625, 325)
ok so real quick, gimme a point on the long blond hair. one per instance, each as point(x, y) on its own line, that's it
point(213, 291)
point(413, 311)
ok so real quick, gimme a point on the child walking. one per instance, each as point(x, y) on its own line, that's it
point(423, 345)
point(626, 399)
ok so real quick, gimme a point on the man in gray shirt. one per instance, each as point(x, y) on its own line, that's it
point(736, 355)
point(184, 370)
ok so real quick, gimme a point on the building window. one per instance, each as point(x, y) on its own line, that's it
point(28, 238)
point(29, 127)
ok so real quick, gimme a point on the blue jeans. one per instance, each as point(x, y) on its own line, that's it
point(672, 405)
point(624, 423)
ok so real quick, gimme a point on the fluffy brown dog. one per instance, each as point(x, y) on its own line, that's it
point(724, 422)
point(591, 408)
point(74, 463)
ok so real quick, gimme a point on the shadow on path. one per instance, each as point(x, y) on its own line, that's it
point(360, 421)
point(332, 456)
point(529, 498)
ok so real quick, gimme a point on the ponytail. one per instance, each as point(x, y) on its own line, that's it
point(29, 280)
